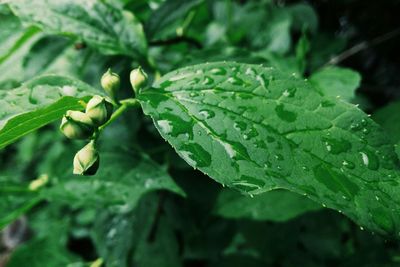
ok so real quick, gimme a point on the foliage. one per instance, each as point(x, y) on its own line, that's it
point(267, 150)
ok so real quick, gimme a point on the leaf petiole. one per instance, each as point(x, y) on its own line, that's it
point(125, 104)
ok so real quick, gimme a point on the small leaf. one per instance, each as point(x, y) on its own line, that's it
point(41, 252)
point(110, 30)
point(257, 129)
point(15, 200)
point(335, 81)
point(389, 118)
point(162, 21)
point(122, 179)
point(38, 102)
point(276, 205)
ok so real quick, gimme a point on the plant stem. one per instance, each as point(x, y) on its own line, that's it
point(125, 104)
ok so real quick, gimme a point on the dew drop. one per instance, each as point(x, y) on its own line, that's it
point(364, 158)
point(228, 148)
point(68, 90)
point(165, 126)
point(235, 80)
point(218, 71)
point(348, 164)
point(207, 114)
point(208, 81)
point(250, 71)
point(264, 82)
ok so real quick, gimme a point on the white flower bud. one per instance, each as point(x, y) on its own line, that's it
point(110, 82)
point(99, 110)
point(86, 161)
point(76, 125)
point(138, 79)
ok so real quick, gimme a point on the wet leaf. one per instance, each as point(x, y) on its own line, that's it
point(275, 205)
point(122, 179)
point(257, 129)
point(389, 117)
point(110, 30)
point(335, 81)
point(38, 102)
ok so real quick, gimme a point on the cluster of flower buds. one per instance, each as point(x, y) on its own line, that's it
point(85, 125)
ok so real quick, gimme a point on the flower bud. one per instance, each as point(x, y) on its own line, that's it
point(76, 125)
point(86, 161)
point(41, 181)
point(99, 110)
point(110, 82)
point(138, 79)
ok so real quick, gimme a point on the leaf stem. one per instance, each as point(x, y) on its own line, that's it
point(125, 104)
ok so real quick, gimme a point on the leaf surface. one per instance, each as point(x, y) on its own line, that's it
point(257, 129)
point(122, 179)
point(38, 102)
point(275, 205)
point(335, 81)
point(110, 30)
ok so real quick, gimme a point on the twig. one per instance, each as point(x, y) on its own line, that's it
point(363, 45)
point(177, 40)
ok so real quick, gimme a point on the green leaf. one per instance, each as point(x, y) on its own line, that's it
point(15, 200)
point(163, 21)
point(335, 81)
point(15, 43)
point(257, 129)
point(389, 117)
point(123, 178)
point(41, 253)
point(304, 17)
point(43, 53)
point(38, 102)
point(117, 235)
point(276, 205)
point(110, 30)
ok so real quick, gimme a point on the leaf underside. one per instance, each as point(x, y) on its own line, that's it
point(256, 129)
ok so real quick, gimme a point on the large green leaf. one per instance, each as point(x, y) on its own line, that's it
point(101, 25)
point(123, 178)
point(38, 102)
point(276, 205)
point(257, 129)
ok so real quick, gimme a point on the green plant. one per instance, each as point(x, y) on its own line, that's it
point(224, 83)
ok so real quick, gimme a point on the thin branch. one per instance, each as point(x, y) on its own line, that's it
point(362, 46)
point(177, 40)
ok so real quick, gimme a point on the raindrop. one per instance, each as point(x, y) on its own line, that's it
point(370, 160)
point(235, 80)
point(240, 125)
point(218, 71)
point(264, 82)
point(68, 90)
point(165, 126)
point(285, 114)
point(207, 114)
point(208, 81)
point(348, 164)
point(365, 158)
point(228, 148)
point(251, 72)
